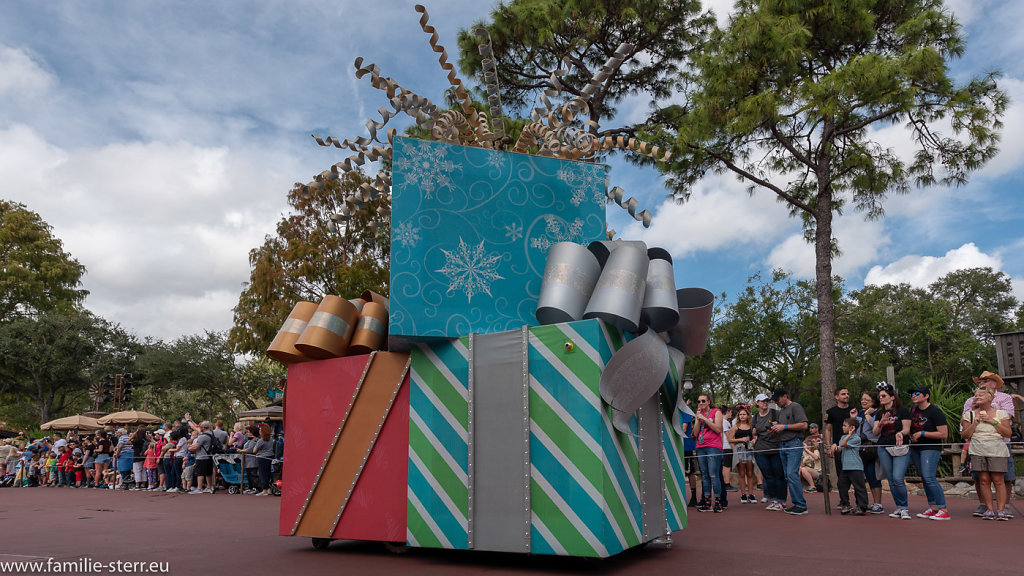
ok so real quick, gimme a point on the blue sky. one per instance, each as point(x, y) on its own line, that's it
point(159, 139)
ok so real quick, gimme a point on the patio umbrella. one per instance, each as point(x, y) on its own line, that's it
point(130, 417)
point(262, 414)
point(77, 422)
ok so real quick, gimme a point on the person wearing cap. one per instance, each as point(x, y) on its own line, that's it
point(1000, 401)
point(766, 454)
point(928, 430)
point(203, 471)
point(792, 422)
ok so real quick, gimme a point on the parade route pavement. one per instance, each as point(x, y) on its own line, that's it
point(225, 534)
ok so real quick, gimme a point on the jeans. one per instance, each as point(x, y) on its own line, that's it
point(710, 462)
point(895, 470)
point(770, 465)
point(790, 451)
point(927, 464)
point(174, 476)
point(870, 476)
point(263, 468)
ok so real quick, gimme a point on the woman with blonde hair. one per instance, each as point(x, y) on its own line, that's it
point(987, 427)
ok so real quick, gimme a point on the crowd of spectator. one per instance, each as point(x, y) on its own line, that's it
point(181, 456)
point(776, 448)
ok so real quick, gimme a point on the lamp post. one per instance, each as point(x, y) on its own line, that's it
point(687, 382)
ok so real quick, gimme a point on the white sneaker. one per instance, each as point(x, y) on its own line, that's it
point(172, 490)
point(905, 514)
point(208, 491)
point(895, 513)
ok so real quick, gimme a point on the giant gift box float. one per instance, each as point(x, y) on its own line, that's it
point(481, 428)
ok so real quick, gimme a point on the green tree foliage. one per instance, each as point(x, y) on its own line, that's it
point(530, 38)
point(942, 334)
point(36, 274)
point(767, 339)
point(309, 257)
point(982, 300)
point(199, 374)
point(47, 362)
point(789, 98)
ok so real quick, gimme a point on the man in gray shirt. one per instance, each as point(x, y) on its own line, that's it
point(204, 462)
point(222, 435)
point(789, 431)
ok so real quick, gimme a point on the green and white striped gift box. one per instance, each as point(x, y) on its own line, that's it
point(511, 448)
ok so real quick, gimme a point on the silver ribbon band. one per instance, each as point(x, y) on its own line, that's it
point(330, 322)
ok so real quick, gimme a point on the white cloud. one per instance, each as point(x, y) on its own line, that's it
point(1011, 147)
point(860, 243)
point(164, 229)
point(20, 76)
point(719, 214)
point(721, 8)
point(920, 271)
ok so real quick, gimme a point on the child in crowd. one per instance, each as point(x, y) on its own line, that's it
point(64, 467)
point(810, 463)
point(77, 467)
point(110, 478)
point(190, 462)
point(852, 473)
point(51, 469)
point(36, 470)
point(150, 465)
point(964, 470)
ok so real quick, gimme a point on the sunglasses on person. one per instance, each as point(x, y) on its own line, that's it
point(915, 393)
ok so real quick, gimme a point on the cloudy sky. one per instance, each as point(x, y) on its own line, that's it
point(159, 139)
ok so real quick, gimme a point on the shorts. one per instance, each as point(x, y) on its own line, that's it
point(988, 463)
point(743, 454)
point(186, 474)
point(690, 463)
point(727, 458)
point(88, 463)
point(102, 458)
point(204, 467)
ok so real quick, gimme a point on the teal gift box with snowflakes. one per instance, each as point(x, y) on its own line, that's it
point(470, 232)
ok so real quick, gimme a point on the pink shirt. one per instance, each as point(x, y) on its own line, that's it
point(150, 459)
point(708, 438)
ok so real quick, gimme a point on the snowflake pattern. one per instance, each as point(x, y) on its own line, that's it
point(407, 234)
point(496, 159)
point(583, 180)
point(514, 231)
point(470, 269)
point(558, 231)
point(429, 168)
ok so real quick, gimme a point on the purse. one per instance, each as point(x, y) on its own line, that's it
point(898, 450)
point(868, 449)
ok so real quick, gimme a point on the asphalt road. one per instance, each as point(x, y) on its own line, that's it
point(226, 534)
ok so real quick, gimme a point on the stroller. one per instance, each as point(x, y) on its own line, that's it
point(229, 472)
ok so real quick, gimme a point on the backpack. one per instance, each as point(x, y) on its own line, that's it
point(215, 446)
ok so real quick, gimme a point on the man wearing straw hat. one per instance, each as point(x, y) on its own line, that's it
point(1000, 401)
